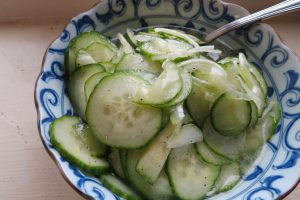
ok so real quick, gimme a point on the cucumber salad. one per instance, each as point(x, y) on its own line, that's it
point(158, 118)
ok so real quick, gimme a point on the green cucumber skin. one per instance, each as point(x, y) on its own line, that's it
point(136, 185)
point(73, 49)
point(228, 161)
point(182, 95)
point(232, 185)
point(172, 183)
point(116, 165)
point(115, 190)
point(224, 133)
point(73, 78)
point(72, 159)
point(121, 147)
point(123, 155)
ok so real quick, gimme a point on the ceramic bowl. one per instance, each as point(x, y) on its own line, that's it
point(275, 173)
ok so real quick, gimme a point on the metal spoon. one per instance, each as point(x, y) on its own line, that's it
point(278, 9)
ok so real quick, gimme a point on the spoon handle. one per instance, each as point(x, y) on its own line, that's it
point(283, 7)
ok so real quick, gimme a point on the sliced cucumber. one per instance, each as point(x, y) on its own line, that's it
point(118, 187)
point(124, 44)
point(259, 77)
point(115, 119)
point(164, 89)
point(184, 92)
point(230, 175)
point(123, 153)
point(254, 114)
point(263, 131)
point(230, 147)
point(229, 116)
point(115, 161)
point(188, 134)
point(147, 76)
point(101, 52)
point(190, 177)
point(96, 148)
point(159, 190)
point(135, 61)
point(91, 83)
point(199, 102)
point(83, 58)
point(76, 84)
point(108, 66)
point(82, 41)
point(71, 142)
point(155, 155)
point(251, 85)
point(209, 156)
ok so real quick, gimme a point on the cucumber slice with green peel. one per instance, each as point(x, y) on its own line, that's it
point(91, 83)
point(199, 103)
point(111, 102)
point(252, 87)
point(155, 155)
point(123, 153)
point(76, 84)
point(227, 146)
point(254, 115)
point(230, 116)
point(188, 134)
point(119, 187)
point(147, 76)
point(115, 160)
point(131, 38)
point(96, 148)
point(159, 190)
point(83, 58)
point(229, 177)
point(124, 44)
point(184, 92)
point(135, 61)
point(108, 66)
point(100, 52)
point(262, 131)
point(164, 89)
point(209, 156)
point(259, 77)
point(82, 41)
point(190, 177)
point(71, 142)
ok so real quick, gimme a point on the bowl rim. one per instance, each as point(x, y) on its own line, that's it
point(62, 172)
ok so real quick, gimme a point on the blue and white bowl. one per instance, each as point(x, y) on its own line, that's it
point(275, 173)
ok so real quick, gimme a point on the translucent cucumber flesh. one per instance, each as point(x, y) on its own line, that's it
point(230, 116)
point(119, 187)
point(209, 156)
point(75, 146)
point(190, 177)
point(155, 155)
point(76, 84)
point(230, 147)
point(159, 190)
point(111, 102)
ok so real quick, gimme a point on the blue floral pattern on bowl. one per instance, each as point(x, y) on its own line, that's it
point(278, 168)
